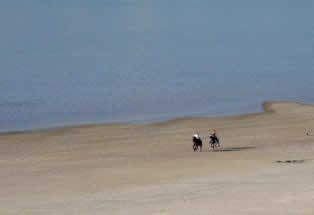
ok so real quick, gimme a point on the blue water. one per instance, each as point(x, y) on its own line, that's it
point(71, 62)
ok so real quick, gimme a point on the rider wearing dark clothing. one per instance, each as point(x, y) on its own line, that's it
point(214, 139)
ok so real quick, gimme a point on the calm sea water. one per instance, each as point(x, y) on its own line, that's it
point(70, 62)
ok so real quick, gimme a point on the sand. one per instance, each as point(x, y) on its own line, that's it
point(265, 166)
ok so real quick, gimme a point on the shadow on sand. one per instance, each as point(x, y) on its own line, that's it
point(232, 149)
point(290, 161)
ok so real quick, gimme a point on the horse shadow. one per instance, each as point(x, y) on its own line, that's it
point(233, 149)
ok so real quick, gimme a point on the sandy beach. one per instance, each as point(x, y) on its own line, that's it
point(264, 166)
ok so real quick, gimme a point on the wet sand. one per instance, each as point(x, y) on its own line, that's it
point(264, 166)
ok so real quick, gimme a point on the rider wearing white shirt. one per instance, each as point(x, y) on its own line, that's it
point(197, 136)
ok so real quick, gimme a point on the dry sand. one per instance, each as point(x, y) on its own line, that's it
point(265, 166)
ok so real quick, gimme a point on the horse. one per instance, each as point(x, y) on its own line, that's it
point(197, 142)
point(214, 142)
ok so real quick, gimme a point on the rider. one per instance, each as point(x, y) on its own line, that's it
point(197, 142)
point(196, 136)
point(213, 137)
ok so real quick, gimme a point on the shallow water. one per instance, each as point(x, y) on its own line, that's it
point(145, 60)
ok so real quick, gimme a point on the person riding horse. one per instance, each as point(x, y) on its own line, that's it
point(214, 139)
point(197, 142)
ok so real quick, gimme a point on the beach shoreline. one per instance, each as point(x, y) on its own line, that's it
point(264, 161)
point(264, 108)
